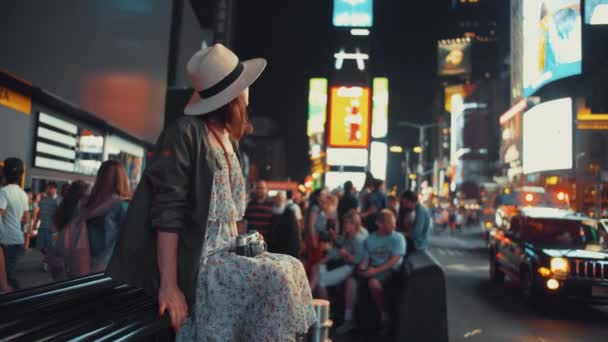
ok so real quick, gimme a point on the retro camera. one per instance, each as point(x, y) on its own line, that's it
point(250, 244)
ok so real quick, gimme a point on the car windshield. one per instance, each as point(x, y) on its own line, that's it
point(559, 233)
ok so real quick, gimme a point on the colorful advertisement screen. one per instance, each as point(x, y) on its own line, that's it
point(596, 12)
point(317, 104)
point(349, 117)
point(552, 41)
point(547, 136)
point(454, 57)
point(353, 13)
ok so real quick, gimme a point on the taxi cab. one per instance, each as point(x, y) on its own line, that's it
point(551, 252)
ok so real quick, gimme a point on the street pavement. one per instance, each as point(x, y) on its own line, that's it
point(481, 311)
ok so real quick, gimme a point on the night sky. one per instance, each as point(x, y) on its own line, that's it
point(295, 37)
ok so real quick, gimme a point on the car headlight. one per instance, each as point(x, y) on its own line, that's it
point(560, 266)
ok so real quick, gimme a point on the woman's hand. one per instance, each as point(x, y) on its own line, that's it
point(171, 298)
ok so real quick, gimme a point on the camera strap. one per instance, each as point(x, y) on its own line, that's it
point(219, 140)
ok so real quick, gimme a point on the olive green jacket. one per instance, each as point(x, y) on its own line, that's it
point(173, 195)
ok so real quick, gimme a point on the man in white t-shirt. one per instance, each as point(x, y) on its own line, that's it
point(14, 207)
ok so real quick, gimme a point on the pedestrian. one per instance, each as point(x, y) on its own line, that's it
point(285, 234)
point(105, 210)
point(14, 209)
point(315, 222)
point(337, 267)
point(348, 201)
point(384, 252)
point(44, 220)
point(376, 201)
point(259, 210)
point(295, 208)
point(177, 239)
point(68, 252)
point(419, 228)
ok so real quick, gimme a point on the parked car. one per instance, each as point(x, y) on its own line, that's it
point(551, 252)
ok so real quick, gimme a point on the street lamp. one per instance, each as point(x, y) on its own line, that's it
point(421, 143)
point(399, 149)
point(396, 149)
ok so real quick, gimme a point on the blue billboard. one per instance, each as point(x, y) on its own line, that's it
point(353, 13)
point(552, 41)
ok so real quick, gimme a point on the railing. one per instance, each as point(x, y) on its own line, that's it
point(91, 308)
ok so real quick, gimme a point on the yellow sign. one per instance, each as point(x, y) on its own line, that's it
point(15, 101)
point(349, 117)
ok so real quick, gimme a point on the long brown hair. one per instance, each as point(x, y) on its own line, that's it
point(233, 116)
point(112, 180)
point(67, 208)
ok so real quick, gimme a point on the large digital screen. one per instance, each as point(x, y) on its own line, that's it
point(596, 12)
point(349, 117)
point(353, 13)
point(454, 57)
point(317, 104)
point(547, 137)
point(552, 41)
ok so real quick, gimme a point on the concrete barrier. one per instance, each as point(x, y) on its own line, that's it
point(422, 309)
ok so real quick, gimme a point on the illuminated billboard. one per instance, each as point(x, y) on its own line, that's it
point(380, 108)
point(317, 104)
point(454, 57)
point(547, 137)
point(552, 42)
point(349, 117)
point(378, 159)
point(596, 12)
point(353, 13)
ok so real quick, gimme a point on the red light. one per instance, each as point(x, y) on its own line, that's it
point(561, 196)
point(529, 197)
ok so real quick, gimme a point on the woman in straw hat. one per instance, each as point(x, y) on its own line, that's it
point(178, 239)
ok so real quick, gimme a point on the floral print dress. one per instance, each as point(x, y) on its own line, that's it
point(265, 298)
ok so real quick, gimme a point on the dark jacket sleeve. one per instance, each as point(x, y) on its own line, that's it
point(169, 174)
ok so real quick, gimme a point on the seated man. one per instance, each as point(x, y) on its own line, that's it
point(383, 254)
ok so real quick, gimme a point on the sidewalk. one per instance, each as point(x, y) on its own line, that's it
point(29, 270)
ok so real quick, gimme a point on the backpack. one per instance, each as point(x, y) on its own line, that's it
point(70, 255)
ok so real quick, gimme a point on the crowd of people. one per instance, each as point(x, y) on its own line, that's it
point(344, 237)
point(75, 228)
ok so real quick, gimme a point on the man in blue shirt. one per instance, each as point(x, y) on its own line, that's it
point(420, 230)
point(384, 251)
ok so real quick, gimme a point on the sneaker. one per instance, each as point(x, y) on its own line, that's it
point(346, 327)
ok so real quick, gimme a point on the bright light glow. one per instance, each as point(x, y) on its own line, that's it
point(347, 156)
point(547, 137)
point(317, 105)
point(378, 159)
point(56, 137)
point(417, 149)
point(396, 149)
point(58, 123)
point(380, 108)
point(544, 272)
point(560, 267)
point(529, 197)
point(488, 224)
point(359, 32)
point(517, 108)
point(335, 180)
point(412, 176)
point(552, 284)
point(353, 13)
point(116, 144)
point(561, 196)
point(55, 150)
point(357, 56)
point(53, 164)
